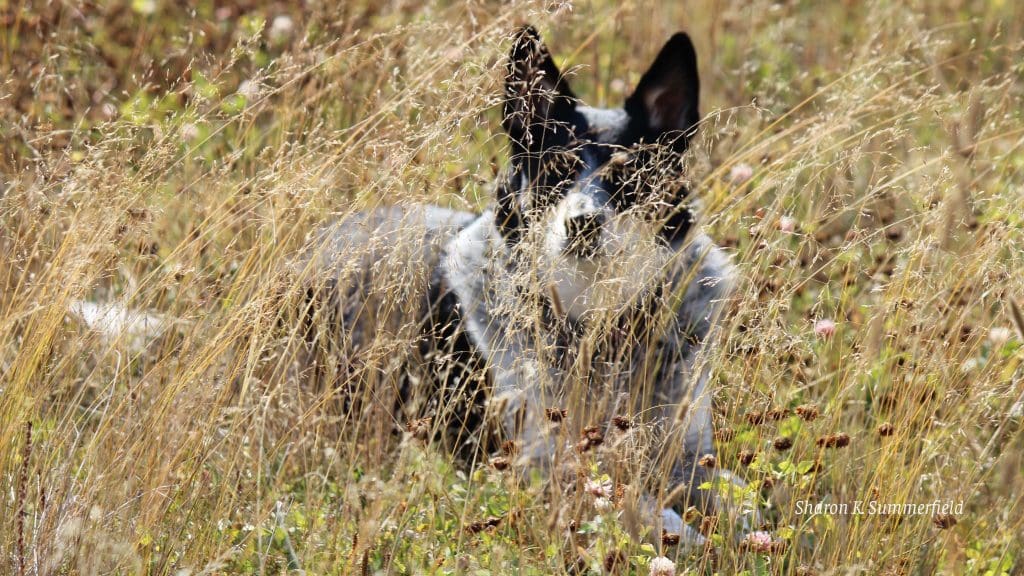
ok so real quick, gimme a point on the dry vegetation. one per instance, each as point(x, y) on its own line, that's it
point(862, 160)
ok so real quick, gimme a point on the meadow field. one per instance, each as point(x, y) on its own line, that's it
point(163, 164)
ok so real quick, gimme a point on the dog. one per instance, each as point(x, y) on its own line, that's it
point(587, 275)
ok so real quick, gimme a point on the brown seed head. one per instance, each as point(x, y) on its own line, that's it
point(840, 440)
point(481, 525)
point(690, 514)
point(669, 538)
point(746, 457)
point(944, 521)
point(420, 428)
point(708, 525)
point(615, 562)
point(782, 443)
point(809, 412)
point(622, 422)
point(593, 435)
point(620, 492)
point(708, 461)
point(886, 429)
point(556, 414)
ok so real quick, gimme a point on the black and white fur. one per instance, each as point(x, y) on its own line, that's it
point(591, 239)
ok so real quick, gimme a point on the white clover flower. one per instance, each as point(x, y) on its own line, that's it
point(189, 131)
point(281, 28)
point(740, 173)
point(599, 488)
point(662, 566)
point(824, 328)
point(250, 89)
point(999, 335)
point(759, 541)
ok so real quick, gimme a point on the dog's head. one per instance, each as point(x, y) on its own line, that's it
point(577, 170)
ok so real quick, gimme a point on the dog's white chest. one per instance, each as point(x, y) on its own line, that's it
point(585, 287)
point(576, 290)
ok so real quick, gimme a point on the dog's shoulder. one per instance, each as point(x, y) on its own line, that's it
point(473, 256)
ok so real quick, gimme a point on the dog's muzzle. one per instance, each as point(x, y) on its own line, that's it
point(583, 232)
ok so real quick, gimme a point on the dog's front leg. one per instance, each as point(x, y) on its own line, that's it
point(498, 320)
point(523, 385)
point(703, 284)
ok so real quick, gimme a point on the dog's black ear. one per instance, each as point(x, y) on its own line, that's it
point(666, 101)
point(538, 101)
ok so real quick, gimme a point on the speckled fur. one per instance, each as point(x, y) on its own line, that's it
point(512, 288)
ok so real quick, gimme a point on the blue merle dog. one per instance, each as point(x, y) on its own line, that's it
point(587, 278)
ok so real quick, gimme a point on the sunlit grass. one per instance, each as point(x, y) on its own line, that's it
point(863, 163)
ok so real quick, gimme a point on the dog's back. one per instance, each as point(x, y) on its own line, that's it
point(375, 287)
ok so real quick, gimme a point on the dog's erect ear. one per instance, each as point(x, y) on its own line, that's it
point(666, 100)
point(538, 100)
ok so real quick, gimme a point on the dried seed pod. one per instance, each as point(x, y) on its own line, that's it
point(690, 514)
point(840, 440)
point(481, 525)
point(620, 493)
point(669, 538)
point(420, 428)
point(615, 561)
point(593, 435)
point(886, 429)
point(809, 412)
point(708, 525)
point(746, 457)
point(555, 414)
point(708, 461)
point(500, 463)
point(782, 443)
point(623, 423)
point(944, 521)
point(777, 413)
point(756, 418)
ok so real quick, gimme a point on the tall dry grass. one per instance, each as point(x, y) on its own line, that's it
point(863, 161)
